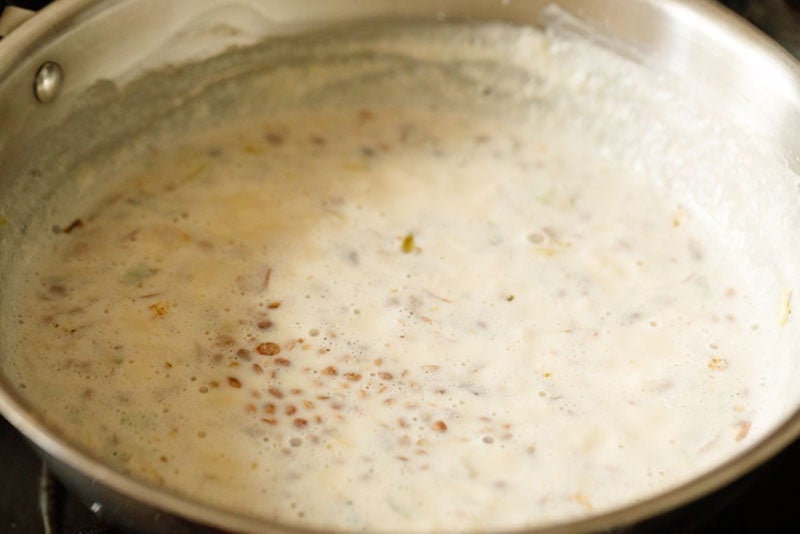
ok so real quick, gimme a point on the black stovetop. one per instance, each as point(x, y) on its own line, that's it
point(767, 500)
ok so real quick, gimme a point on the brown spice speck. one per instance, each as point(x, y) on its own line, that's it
point(300, 422)
point(270, 421)
point(282, 361)
point(224, 340)
point(234, 382)
point(329, 371)
point(274, 305)
point(77, 223)
point(275, 392)
point(268, 348)
point(265, 282)
point(257, 369)
point(275, 139)
point(354, 377)
point(290, 410)
point(264, 325)
point(269, 408)
point(386, 376)
point(439, 426)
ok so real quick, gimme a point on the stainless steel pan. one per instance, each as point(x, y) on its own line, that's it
point(74, 48)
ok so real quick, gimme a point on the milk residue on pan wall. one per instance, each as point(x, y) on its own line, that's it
point(447, 296)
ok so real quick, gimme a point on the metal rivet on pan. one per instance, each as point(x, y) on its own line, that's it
point(48, 82)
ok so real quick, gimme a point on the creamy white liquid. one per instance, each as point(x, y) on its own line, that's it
point(394, 318)
point(478, 325)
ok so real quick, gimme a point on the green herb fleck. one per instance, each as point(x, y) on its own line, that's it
point(137, 274)
point(194, 173)
point(134, 419)
point(509, 298)
point(546, 197)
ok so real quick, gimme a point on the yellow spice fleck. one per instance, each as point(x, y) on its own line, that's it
point(717, 364)
point(677, 217)
point(252, 149)
point(407, 245)
point(742, 429)
point(785, 307)
point(159, 309)
point(353, 166)
point(583, 500)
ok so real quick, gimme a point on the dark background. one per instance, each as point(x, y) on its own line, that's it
point(767, 500)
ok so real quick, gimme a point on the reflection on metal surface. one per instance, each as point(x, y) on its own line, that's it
point(47, 500)
point(780, 19)
point(48, 82)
